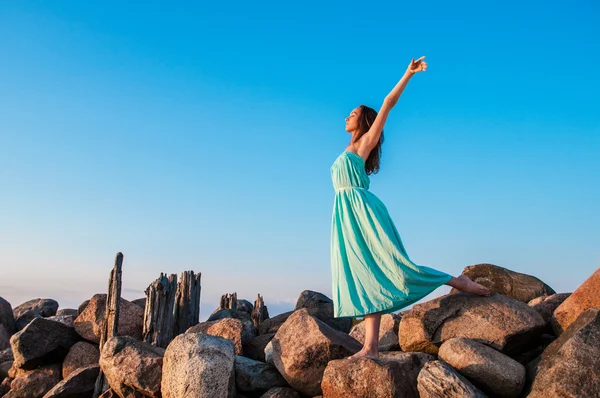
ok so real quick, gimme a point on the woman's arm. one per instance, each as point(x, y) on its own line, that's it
point(370, 139)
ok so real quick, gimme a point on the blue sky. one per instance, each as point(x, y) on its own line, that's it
point(200, 137)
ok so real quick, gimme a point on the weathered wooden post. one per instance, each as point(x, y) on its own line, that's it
point(187, 302)
point(111, 318)
point(260, 311)
point(228, 301)
point(159, 322)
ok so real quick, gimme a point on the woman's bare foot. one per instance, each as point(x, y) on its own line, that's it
point(464, 284)
point(365, 354)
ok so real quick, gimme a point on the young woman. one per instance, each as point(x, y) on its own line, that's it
point(371, 271)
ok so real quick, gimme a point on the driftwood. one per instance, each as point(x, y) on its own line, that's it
point(159, 321)
point(228, 301)
point(111, 318)
point(260, 311)
point(187, 302)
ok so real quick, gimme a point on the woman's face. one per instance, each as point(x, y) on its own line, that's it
point(352, 120)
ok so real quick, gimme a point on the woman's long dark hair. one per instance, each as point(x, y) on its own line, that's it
point(366, 119)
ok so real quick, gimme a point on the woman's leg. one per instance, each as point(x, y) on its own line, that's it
point(464, 284)
point(371, 346)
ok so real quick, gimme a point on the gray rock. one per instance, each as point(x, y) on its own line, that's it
point(273, 324)
point(79, 383)
point(281, 392)
point(255, 349)
point(256, 377)
point(67, 311)
point(7, 318)
point(488, 369)
point(31, 309)
point(321, 307)
point(437, 379)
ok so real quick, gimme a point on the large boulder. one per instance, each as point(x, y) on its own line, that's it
point(132, 367)
point(249, 330)
point(254, 377)
point(546, 305)
point(374, 377)
point(89, 323)
point(509, 283)
point(36, 308)
point(273, 324)
point(79, 383)
point(34, 383)
point(321, 307)
point(486, 368)
point(506, 324)
point(569, 365)
point(437, 379)
point(7, 318)
point(81, 355)
point(228, 328)
point(42, 341)
point(198, 365)
point(388, 332)
point(586, 296)
point(302, 348)
point(255, 349)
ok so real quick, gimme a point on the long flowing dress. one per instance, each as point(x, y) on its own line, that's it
point(370, 269)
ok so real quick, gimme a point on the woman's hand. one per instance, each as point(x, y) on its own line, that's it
point(416, 66)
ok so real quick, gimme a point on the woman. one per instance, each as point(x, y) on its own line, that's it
point(371, 271)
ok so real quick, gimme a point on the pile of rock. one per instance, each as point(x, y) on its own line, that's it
point(524, 340)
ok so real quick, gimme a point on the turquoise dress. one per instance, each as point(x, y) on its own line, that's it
point(370, 269)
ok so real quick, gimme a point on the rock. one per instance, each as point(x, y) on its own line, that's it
point(269, 353)
point(437, 379)
point(109, 394)
point(89, 323)
point(505, 324)
point(281, 392)
point(488, 369)
point(67, 311)
point(82, 306)
point(6, 355)
point(569, 365)
point(67, 320)
point(321, 307)
point(5, 386)
point(25, 318)
point(228, 328)
point(256, 377)
point(249, 330)
point(7, 318)
point(546, 305)
point(44, 307)
point(388, 332)
point(245, 306)
point(304, 345)
point(42, 341)
point(586, 296)
point(199, 365)
point(374, 377)
point(509, 283)
point(273, 324)
point(255, 349)
point(80, 383)
point(132, 367)
point(141, 302)
point(4, 338)
point(4, 368)
point(81, 355)
point(34, 383)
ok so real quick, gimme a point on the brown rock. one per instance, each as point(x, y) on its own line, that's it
point(34, 383)
point(253, 377)
point(132, 367)
point(509, 283)
point(7, 318)
point(82, 306)
point(302, 348)
point(281, 392)
point(320, 306)
point(506, 324)
point(81, 355)
point(42, 341)
point(4, 368)
point(44, 307)
point(5, 386)
point(228, 328)
point(486, 368)
point(89, 323)
point(586, 296)
point(67, 311)
point(273, 324)
point(437, 379)
point(388, 332)
point(80, 383)
point(546, 305)
point(374, 377)
point(199, 365)
point(569, 366)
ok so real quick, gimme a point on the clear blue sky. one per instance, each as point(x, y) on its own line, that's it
point(200, 137)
